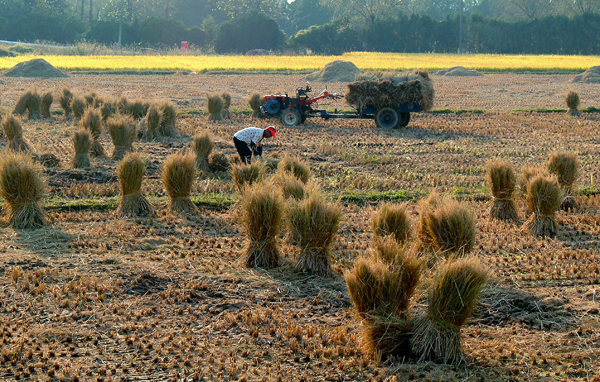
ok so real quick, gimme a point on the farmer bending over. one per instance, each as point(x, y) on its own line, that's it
point(251, 138)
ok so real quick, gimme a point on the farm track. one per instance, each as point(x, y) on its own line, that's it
point(96, 297)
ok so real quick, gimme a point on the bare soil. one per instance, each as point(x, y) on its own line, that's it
point(97, 297)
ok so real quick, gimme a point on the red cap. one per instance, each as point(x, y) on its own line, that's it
point(273, 131)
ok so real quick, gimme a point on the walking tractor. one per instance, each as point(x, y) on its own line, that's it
point(389, 101)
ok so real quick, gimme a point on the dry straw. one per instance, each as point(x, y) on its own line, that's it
point(82, 143)
point(65, 102)
point(262, 215)
point(131, 173)
point(90, 99)
point(108, 109)
point(255, 101)
point(123, 132)
point(450, 227)
point(217, 162)
point(544, 198)
point(203, 145)
point(138, 109)
point(14, 133)
point(169, 117)
point(572, 100)
point(78, 107)
point(178, 176)
point(502, 181)
point(565, 166)
point(92, 121)
point(226, 105)
point(426, 207)
point(528, 173)
point(290, 186)
point(47, 100)
point(214, 103)
point(153, 122)
point(22, 188)
point(392, 219)
point(454, 291)
point(31, 102)
point(246, 174)
point(123, 105)
point(314, 223)
point(296, 167)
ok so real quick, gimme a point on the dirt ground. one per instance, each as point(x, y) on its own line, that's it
point(97, 297)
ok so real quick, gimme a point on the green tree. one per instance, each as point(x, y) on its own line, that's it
point(253, 31)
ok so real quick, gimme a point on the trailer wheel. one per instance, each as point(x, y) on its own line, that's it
point(404, 119)
point(290, 117)
point(387, 118)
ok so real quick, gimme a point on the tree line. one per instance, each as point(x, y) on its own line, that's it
point(313, 26)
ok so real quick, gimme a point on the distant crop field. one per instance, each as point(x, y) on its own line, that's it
point(303, 64)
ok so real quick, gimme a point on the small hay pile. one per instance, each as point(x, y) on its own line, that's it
point(92, 121)
point(214, 104)
point(565, 166)
point(47, 100)
point(203, 146)
point(82, 143)
point(502, 181)
point(544, 198)
point(262, 216)
point(389, 89)
point(37, 67)
point(255, 101)
point(178, 176)
point(131, 173)
point(65, 102)
point(336, 71)
point(458, 71)
point(123, 132)
point(31, 102)
point(14, 133)
point(590, 76)
point(392, 220)
point(225, 113)
point(572, 101)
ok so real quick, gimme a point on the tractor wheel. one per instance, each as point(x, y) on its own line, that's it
point(387, 118)
point(404, 119)
point(290, 117)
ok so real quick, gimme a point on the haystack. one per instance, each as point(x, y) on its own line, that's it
point(458, 71)
point(590, 76)
point(385, 89)
point(37, 67)
point(336, 71)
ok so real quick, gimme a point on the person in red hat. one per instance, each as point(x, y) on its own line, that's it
point(249, 140)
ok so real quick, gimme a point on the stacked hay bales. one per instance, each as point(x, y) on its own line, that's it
point(82, 143)
point(382, 90)
point(565, 166)
point(313, 224)
point(13, 131)
point(178, 176)
point(22, 188)
point(502, 181)
point(131, 173)
point(262, 216)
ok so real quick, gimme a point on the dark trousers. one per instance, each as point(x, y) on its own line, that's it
point(243, 150)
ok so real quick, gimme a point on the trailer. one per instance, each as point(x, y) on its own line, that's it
point(293, 111)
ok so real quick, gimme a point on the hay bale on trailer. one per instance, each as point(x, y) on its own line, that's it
point(392, 93)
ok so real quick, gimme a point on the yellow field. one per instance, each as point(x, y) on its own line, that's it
point(364, 60)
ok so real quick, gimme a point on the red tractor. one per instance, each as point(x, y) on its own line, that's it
point(294, 111)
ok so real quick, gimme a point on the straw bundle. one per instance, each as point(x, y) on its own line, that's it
point(22, 188)
point(153, 121)
point(544, 198)
point(123, 105)
point(123, 132)
point(108, 109)
point(214, 103)
point(296, 167)
point(29, 101)
point(528, 173)
point(426, 207)
point(246, 174)
point(572, 100)
point(218, 161)
point(92, 121)
point(90, 99)
point(138, 109)
point(392, 219)
point(65, 102)
point(262, 213)
point(169, 117)
point(383, 90)
point(226, 105)
point(565, 166)
point(131, 173)
point(78, 107)
point(255, 101)
point(452, 297)
point(14, 133)
point(290, 186)
point(178, 176)
point(82, 143)
point(47, 100)
point(502, 181)
point(203, 145)
point(313, 226)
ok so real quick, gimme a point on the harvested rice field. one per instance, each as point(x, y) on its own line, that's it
point(94, 296)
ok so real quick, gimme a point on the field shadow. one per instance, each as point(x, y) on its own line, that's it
point(503, 307)
point(45, 242)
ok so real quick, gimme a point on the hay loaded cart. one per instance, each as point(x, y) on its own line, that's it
point(387, 100)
